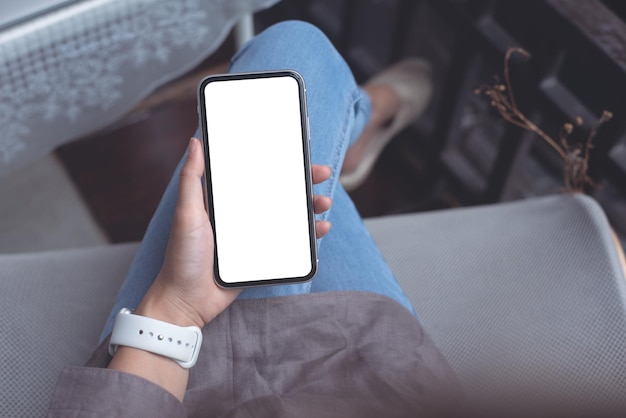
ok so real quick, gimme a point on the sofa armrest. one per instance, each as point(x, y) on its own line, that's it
point(527, 300)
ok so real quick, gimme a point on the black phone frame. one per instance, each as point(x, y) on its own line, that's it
point(208, 195)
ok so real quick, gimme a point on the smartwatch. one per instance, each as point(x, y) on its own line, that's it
point(181, 344)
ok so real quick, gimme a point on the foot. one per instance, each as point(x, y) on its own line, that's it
point(385, 105)
point(398, 95)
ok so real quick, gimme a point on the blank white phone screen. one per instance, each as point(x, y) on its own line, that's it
point(258, 179)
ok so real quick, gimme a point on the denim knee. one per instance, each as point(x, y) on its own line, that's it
point(283, 36)
point(295, 29)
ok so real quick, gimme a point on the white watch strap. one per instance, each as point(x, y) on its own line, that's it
point(181, 344)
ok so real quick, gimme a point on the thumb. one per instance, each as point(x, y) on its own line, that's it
point(190, 196)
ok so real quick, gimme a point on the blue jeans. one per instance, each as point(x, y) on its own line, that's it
point(338, 112)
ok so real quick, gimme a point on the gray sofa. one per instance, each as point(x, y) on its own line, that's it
point(527, 300)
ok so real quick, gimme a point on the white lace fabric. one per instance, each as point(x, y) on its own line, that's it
point(78, 69)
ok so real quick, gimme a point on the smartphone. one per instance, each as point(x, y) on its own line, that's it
point(258, 177)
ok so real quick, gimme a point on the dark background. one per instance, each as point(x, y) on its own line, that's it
point(459, 153)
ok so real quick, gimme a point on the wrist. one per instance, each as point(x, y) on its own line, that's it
point(163, 303)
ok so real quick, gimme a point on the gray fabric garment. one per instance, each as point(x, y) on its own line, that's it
point(338, 354)
point(526, 300)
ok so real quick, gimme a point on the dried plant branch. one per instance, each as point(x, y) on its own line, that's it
point(507, 77)
point(575, 158)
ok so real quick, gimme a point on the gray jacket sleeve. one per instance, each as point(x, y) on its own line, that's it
point(95, 392)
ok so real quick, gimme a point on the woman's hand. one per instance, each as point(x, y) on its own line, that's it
point(185, 292)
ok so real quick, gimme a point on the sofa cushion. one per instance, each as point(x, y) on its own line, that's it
point(53, 306)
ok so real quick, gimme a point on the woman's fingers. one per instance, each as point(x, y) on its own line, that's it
point(322, 228)
point(321, 203)
point(321, 173)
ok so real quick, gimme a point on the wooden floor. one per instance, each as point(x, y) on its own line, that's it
point(122, 172)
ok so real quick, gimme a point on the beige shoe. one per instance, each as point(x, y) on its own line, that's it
point(411, 80)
